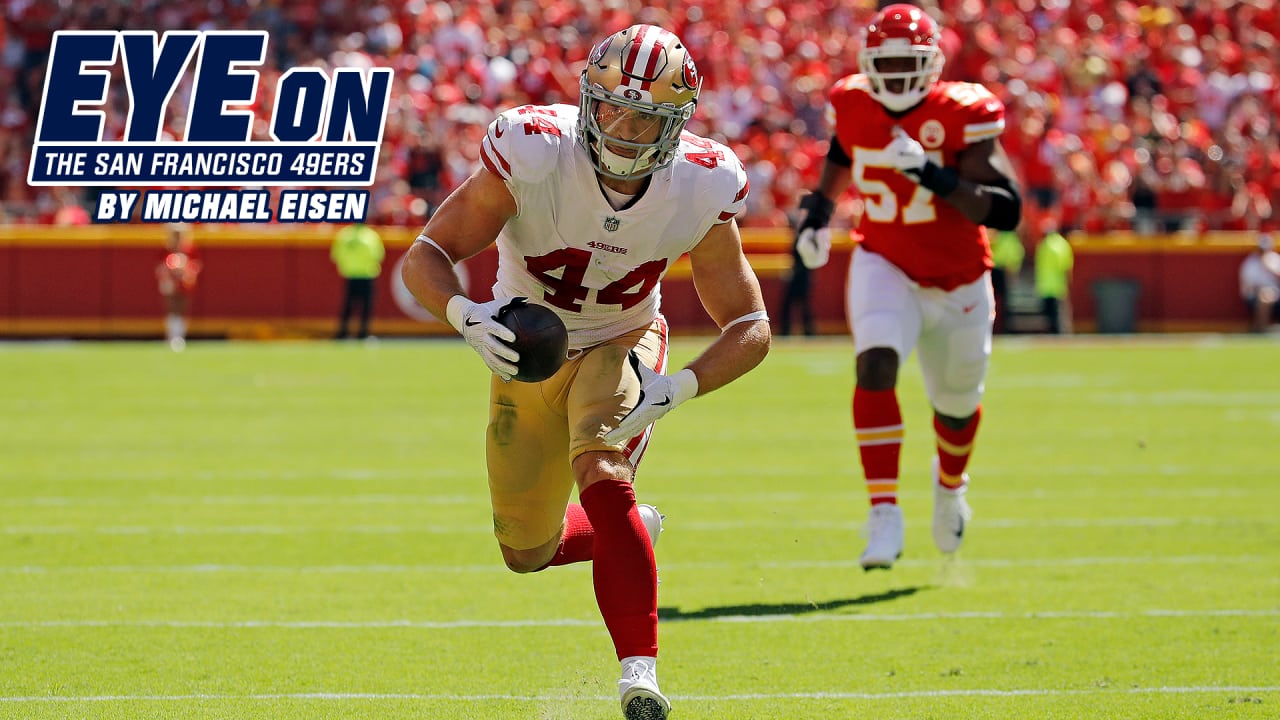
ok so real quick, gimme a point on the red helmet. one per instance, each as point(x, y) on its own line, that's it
point(900, 56)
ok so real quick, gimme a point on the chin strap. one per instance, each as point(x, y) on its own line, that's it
point(620, 165)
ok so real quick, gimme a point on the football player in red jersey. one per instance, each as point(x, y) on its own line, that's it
point(924, 155)
point(589, 206)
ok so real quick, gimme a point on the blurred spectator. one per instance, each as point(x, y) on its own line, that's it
point(69, 211)
point(358, 253)
point(795, 297)
point(1007, 254)
point(1149, 116)
point(1260, 284)
point(1054, 261)
point(176, 276)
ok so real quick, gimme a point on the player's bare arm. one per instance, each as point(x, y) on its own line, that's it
point(731, 295)
point(980, 185)
point(729, 291)
point(466, 223)
point(835, 178)
point(986, 192)
point(813, 241)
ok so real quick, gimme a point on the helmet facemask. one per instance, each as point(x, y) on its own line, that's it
point(619, 133)
point(901, 74)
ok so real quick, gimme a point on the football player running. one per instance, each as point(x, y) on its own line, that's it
point(590, 206)
point(924, 155)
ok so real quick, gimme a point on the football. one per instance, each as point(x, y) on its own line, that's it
point(541, 338)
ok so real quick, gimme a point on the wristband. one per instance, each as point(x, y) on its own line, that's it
point(684, 385)
point(820, 208)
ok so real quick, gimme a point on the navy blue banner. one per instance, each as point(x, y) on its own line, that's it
point(196, 164)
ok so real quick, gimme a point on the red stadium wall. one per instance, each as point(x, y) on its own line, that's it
point(1185, 284)
point(277, 281)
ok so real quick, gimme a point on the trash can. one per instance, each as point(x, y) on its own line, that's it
point(1116, 303)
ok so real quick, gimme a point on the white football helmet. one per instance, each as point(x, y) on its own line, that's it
point(636, 81)
point(900, 56)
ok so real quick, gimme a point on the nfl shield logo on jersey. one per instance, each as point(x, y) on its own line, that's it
point(611, 224)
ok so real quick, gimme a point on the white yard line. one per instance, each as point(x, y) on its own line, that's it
point(232, 500)
point(429, 529)
point(700, 526)
point(853, 493)
point(595, 622)
point(824, 695)
point(211, 568)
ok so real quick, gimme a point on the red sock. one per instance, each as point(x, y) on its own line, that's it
point(578, 539)
point(877, 420)
point(954, 449)
point(626, 578)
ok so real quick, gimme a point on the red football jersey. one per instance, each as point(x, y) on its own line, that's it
point(926, 237)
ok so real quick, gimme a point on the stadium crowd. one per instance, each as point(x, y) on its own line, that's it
point(1151, 116)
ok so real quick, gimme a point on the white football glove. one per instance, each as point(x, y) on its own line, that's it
point(814, 247)
point(478, 323)
point(659, 394)
point(905, 154)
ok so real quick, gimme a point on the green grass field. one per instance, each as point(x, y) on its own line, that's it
point(302, 531)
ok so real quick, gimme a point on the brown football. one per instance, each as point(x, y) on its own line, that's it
point(541, 339)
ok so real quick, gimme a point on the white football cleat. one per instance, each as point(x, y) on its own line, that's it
point(951, 513)
point(641, 698)
point(652, 521)
point(885, 537)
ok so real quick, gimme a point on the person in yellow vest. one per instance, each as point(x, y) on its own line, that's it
point(1007, 255)
point(1054, 261)
point(358, 253)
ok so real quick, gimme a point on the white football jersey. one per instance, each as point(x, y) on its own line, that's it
point(567, 248)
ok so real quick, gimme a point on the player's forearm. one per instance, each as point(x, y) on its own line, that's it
point(996, 204)
point(429, 276)
point(739, 348)
point(834, 180)
point(971, 200)
point(984, 204)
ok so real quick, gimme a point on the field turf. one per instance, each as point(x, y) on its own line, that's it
point(302, 531)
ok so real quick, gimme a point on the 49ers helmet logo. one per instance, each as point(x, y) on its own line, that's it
point(689, 75)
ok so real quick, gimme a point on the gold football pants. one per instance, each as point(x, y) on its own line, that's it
point(536, 430)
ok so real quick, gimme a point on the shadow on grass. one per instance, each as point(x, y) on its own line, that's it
point(675, 614)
